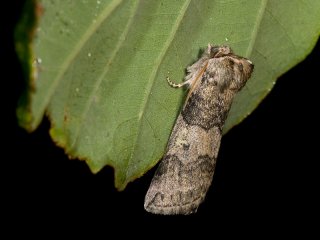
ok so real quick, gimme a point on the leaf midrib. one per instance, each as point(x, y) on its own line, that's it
point(256, 28)
point(152, 81)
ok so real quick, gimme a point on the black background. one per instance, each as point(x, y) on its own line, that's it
point(265, 180)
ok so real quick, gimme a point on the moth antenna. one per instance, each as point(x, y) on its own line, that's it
point(209, 48)
point(175, 85)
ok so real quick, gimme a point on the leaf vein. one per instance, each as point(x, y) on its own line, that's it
point(153, 75)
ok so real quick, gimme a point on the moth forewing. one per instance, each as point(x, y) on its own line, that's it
point(185, 173)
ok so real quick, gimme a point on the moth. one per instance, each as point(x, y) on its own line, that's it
point(185, 172)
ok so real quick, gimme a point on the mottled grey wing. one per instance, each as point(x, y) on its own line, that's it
point(185, 173)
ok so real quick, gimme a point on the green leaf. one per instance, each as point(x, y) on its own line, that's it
point(102, 67)
point(24, 34)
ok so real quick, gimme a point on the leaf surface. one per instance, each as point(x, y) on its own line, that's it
point(102, 67)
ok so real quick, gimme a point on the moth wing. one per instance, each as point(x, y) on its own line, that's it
point(185, 173)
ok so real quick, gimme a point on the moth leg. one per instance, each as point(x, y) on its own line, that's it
point(175, 85)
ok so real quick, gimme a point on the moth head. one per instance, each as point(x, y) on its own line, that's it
point(242, 69)
point(218, 51)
